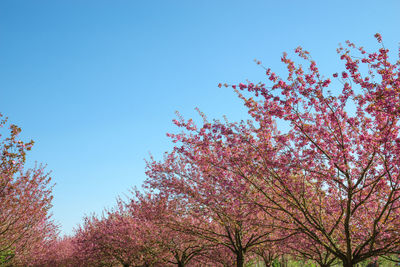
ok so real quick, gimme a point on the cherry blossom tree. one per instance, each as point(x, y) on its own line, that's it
point(343, 145)
point(116, 238)
point(175, 247)
point(25, 198)
point(53, 252)
point(60, 252)
point(209, 195)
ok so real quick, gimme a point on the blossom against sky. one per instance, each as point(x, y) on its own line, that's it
point(96, 83)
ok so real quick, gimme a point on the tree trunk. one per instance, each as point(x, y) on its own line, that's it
point(347, 264)
point(181, 264)
point(239, 259)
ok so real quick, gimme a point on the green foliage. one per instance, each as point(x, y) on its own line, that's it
point(6, 256)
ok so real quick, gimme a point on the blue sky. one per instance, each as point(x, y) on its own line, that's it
point(96, 83)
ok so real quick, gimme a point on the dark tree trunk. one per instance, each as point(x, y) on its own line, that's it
point(239, 259)
point(181, 261)
point(348, 264)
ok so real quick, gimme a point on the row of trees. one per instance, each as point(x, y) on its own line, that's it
point(325, 189)
point(159, 230)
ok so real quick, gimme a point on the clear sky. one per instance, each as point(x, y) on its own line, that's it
point(96, 83)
